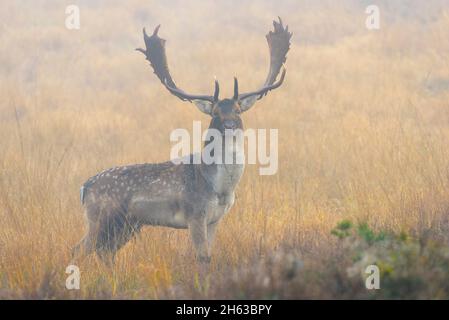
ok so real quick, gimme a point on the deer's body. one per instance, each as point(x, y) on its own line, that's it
point(119, 201)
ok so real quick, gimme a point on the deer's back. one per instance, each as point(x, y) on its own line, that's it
point(116, 186)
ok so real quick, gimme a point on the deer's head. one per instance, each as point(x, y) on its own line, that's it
point(225, 113)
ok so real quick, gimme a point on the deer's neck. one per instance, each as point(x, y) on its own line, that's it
point(223, 176)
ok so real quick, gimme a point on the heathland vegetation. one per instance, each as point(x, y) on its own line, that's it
point(363, 120)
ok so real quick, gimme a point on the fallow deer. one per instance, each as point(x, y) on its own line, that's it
point(120, 200)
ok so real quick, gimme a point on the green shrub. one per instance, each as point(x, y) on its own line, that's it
point(413, 268)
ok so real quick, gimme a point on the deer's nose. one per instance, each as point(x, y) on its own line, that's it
point(229, 124)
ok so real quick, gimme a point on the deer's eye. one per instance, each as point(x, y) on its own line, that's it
point(215, 112)
point(238, 110)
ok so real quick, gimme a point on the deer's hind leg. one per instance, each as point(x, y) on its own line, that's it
point(115, 231)
point(87, 244)
point(84, 247)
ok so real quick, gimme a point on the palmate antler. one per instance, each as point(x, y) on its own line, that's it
point(155, 53)
point(278, 43)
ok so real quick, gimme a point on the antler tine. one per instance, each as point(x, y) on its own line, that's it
point(156, 30)
point(217, 90)
point(280, 22)
point(145, 36)
point(236, 89)
point(155, 53)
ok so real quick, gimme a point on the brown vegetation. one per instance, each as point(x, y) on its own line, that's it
point(363, 121)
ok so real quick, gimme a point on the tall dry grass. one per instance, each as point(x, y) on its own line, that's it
point(363, 132)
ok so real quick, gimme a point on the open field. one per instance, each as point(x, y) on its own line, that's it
point(363, 120)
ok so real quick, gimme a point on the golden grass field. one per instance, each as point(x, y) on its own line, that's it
point(363, 120)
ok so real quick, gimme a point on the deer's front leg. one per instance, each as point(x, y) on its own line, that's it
point(211, 229)
point(198, 232)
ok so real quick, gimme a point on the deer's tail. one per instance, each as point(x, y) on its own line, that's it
point(82, 194)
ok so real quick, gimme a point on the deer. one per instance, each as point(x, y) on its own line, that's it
point(119, 201)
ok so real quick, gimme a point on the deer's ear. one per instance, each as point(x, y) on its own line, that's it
point(247, 103)
point(204, 106)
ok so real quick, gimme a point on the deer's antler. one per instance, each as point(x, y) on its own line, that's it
point(155, 53)
point(279, 44)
